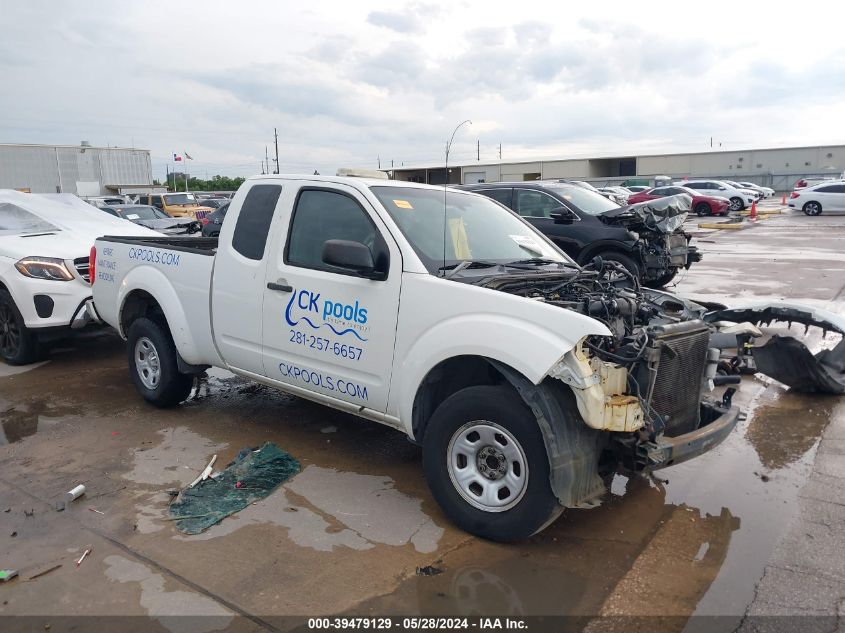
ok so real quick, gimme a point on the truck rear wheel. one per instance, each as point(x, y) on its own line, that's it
point(152, 364)
point(18, 344)
point(486, 464)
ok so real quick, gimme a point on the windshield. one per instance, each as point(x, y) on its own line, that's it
point(180, 198)
point(479, 230)
point(142, 213)
point(590, 202)
point(16, 221)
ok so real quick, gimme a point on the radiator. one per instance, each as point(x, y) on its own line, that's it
point(673, 371)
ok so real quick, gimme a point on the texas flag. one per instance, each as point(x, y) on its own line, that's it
point(176, 157)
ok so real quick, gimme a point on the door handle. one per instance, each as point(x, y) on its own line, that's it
point(279, 287)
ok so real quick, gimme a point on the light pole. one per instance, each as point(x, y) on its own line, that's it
point(449, 146)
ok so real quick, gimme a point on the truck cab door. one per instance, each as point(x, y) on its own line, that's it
point(237, 290)
point(327, 330)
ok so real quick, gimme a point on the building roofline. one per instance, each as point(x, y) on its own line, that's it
point(610, 157)
point(137, 149)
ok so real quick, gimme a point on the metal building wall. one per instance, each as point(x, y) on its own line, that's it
point(72, 169)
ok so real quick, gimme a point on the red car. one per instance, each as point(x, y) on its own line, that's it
point(701, 205)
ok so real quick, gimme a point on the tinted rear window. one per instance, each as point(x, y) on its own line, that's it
point(254, 220)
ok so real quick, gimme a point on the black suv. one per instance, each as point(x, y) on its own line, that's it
point(649, 242)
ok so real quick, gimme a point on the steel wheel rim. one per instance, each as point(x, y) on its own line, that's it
point(736, 203)
point(487, 466)
point(813, 208)
point(10, 335)
point(147, 363)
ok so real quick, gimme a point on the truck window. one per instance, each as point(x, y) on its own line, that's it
point(322, 215)
point(254, 220)
point(156, 201)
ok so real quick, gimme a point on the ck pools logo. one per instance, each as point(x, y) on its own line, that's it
point(351, 318)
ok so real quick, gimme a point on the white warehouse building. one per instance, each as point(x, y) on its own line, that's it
point(778, 168)
point(80, 169)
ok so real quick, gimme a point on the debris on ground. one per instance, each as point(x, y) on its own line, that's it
point(84, 554)
point(7, 574)
point(429, 570)
point(43, 572)
point(74, 493)
point(205, 473)
point(97, 511)
point(259, 472)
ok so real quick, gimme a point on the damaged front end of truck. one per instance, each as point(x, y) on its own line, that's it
point(644, 396)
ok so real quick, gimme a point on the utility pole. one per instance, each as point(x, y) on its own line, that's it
point(500, 151)
point(379, 161)
point(266, 160)
point(478, 150)
point(276, 137)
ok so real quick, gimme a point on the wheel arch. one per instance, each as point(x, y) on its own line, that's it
point(603, 247)
point(573, 449)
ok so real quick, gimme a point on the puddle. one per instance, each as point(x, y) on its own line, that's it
point(305, 527)
point(782, 431)
point(24, 420)
point(176, 461)
point(169, 607)
point(324, 508)
point(634, 548)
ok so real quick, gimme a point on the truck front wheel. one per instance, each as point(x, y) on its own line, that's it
point(486, 464)
point(152, 364)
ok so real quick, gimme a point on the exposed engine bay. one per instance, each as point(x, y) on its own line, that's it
point(653, 378)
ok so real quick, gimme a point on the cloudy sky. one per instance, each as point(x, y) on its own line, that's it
point(348, 82)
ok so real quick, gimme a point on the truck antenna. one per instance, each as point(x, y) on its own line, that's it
point(446, 186)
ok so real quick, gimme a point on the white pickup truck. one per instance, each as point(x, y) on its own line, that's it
point(525, 378)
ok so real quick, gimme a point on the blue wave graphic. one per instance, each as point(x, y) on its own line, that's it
point(291, 322)
point(308, 321)
point(346, 331)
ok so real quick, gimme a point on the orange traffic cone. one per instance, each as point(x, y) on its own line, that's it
point(753, 215)
point(783, 200)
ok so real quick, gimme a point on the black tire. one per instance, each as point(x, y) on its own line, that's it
point(18, 344)
point(535, 509)
point(660, 282)
point(620, 258)
point(702, 208)
point(171, 387)
point(737, 204)
point(812, 208)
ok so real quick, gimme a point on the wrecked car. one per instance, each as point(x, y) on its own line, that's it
point(155, 219)
point(647, 238)
point(526, 378)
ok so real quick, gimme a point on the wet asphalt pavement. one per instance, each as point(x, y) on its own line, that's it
point(349, 532)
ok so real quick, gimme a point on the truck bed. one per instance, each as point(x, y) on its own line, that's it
point(175, 271)
point(197, 245)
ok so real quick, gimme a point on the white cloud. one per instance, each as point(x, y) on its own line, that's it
point(345, 83)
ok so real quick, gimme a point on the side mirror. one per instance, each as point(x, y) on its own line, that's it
point(561, 215)
point(351, 256)
point(721, 188)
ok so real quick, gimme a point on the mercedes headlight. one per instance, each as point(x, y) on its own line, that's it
point(50, 268)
